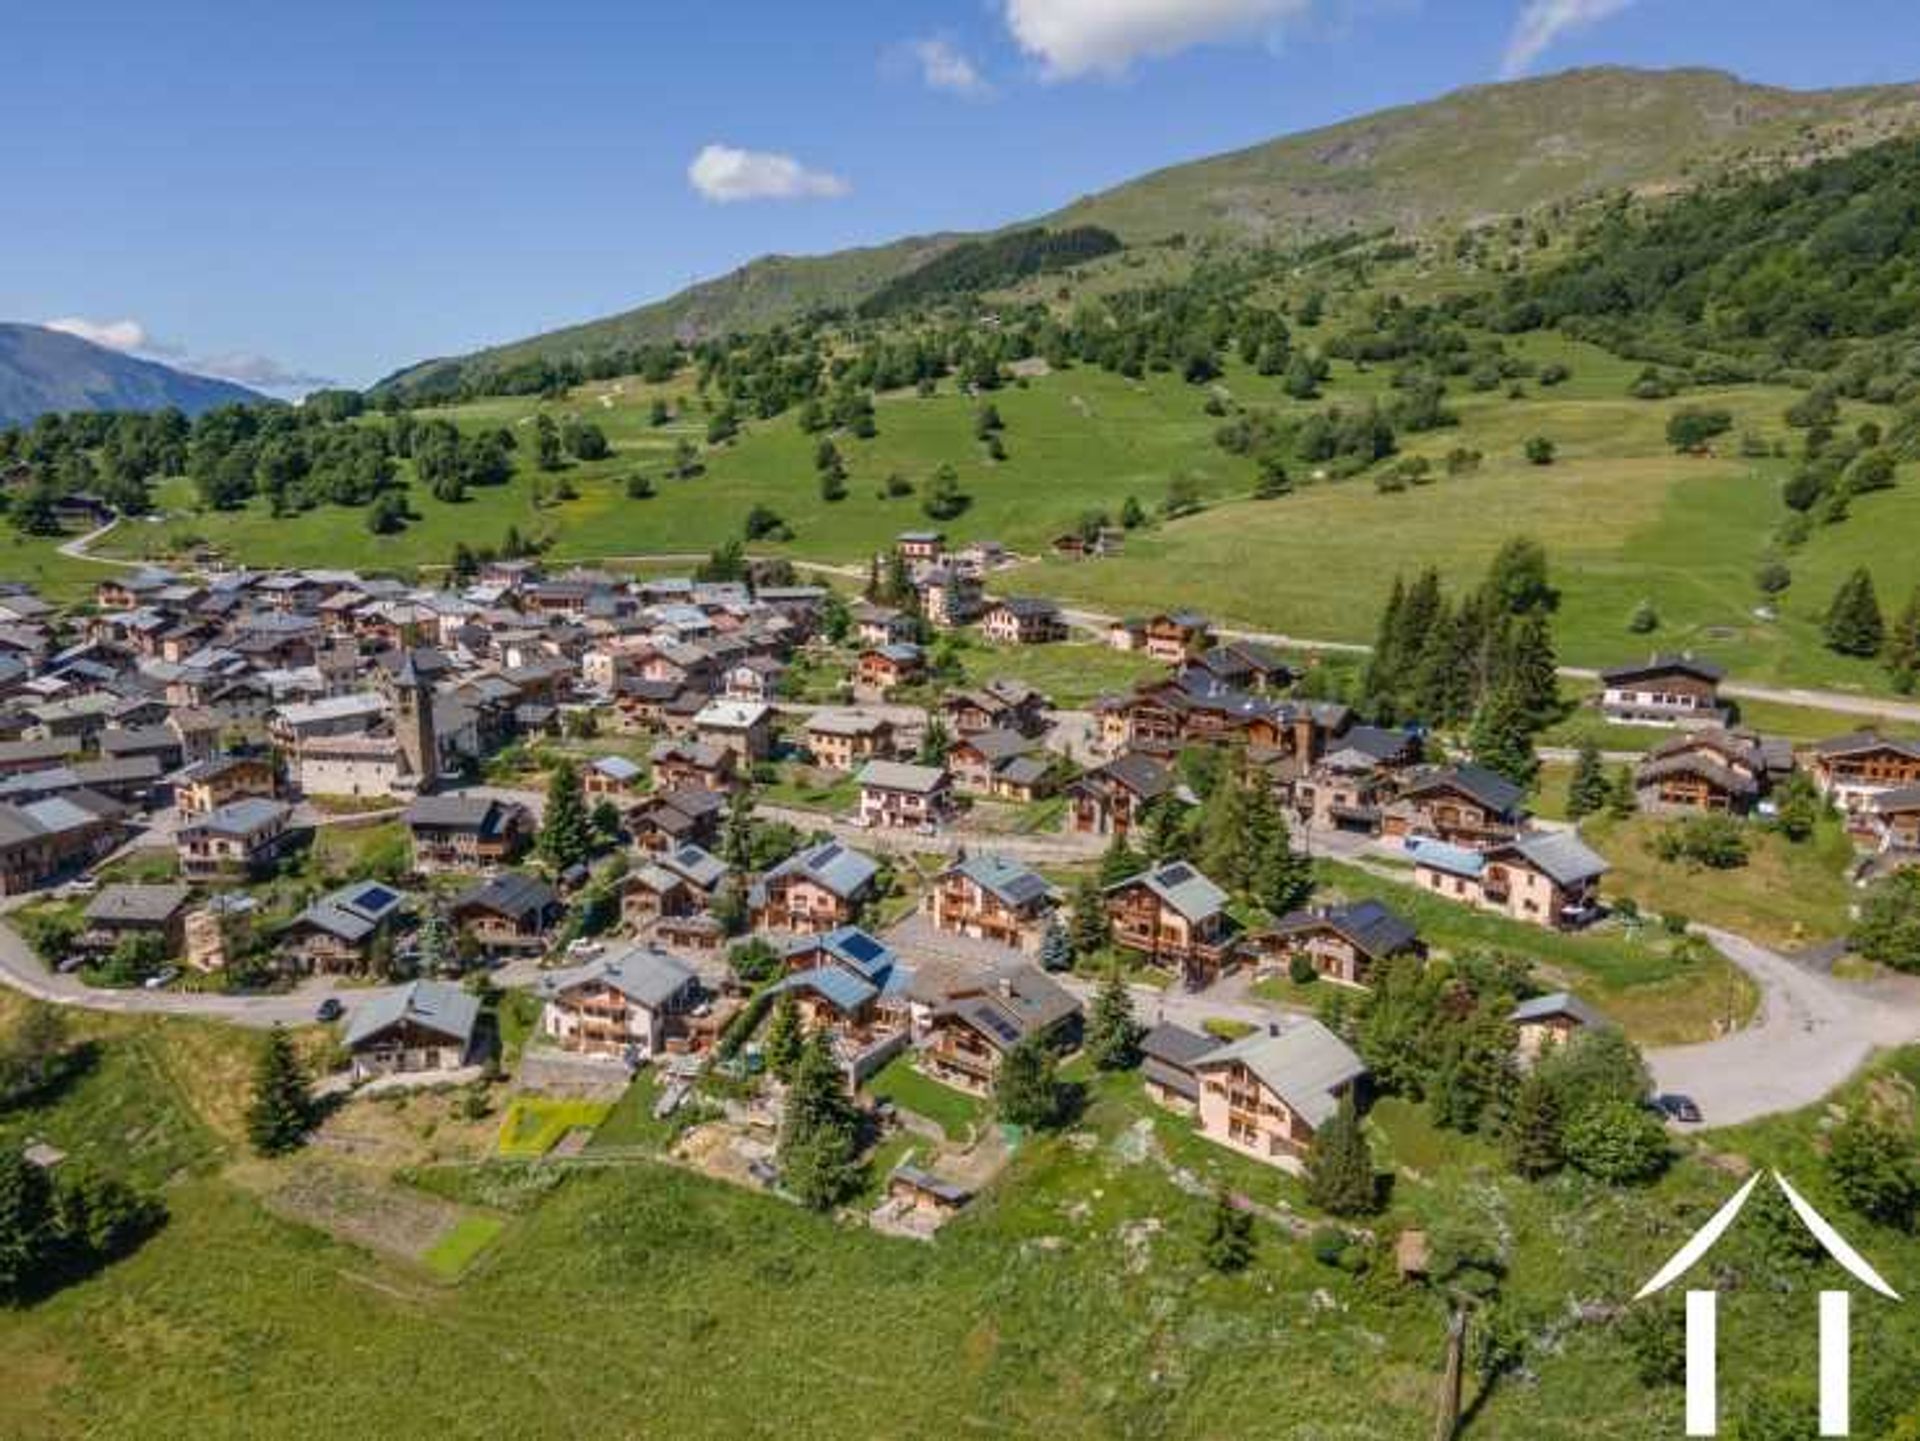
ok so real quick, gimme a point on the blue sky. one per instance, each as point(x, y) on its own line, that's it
point(330, 192)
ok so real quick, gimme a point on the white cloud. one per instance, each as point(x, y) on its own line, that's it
point(113, 334)
point(1079, 37)
point(261, 372)
point(1543, 22)
point(723, 173)
point(945, 66)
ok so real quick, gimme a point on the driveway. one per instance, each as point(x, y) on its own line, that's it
point(1808, 1036)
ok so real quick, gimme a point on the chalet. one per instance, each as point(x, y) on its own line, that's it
point(1710, 770)
point(119, 911)
point(1176, 637)
point(651, 893)
point(693, 765)
point(814, 890)
point(422, 1026)
point(1267, 1094)
point(881, 668)
point(1550, 1021)
point(1349, 787)
point(845, 740)
point(1671, 690)
point(991, 898)
point(897, 796)
point(1175, 917)
point(1022, 620)
point(344, 931)
point(466, 832)
point(1343, 944)
point(129, 742)
point(1852, 770)
point(1893, 820)
point(625, 1005)
point(240, 839)
point(973, 1026)
point(948, 597)
point(1109, 799)
point(920, 549)
point(668, 818)
point(21, 756)
point(754, 679)
point(1248, 665)
point(1127, 633)
point(988, 763)
point(852, 986)
point(699, 867)
point(207, 785)
point(998, 705)
point(612, 778)
point(878, 625)
point(508, 913)
point(43, 839)
point(1549, 878)
point(1167, 1056)
point(743, 727)
point(1462, 805)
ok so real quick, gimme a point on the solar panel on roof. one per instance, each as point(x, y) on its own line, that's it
point(999, 1025)
point(827, 854)
point(374, 898)
point(1177, 875)
point(862, 947)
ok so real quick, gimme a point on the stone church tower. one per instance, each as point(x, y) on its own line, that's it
point(410, 674)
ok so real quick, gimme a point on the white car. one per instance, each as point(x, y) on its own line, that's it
point(161, 978)
point(581, 948)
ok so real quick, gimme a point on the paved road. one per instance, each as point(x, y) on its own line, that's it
point(1035, 849)
point(1810, 1033)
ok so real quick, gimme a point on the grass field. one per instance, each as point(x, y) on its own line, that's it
point(463, 1245)
point(955, 1113)
point(1786, 895)
point(534, 1125)
point(1071, 1300)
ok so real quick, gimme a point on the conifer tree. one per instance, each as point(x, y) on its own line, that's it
point(1092, 929)
point(1283, 880)
point(1621, 800)
point(1229, 1243)
point(1531, 668)
point(1119, 863)
point(1533, 1131)
point(566, 837)
point(1026, 1090)
point(1113, 1035)
point(1902, 654)
point(1339, 1169)
point(1502, 739)
point(1853, 625)
point(785, 1039)
point(1224, 852)
point(28, 1235)
point(1588, 791)
point(1056, 947)
point(281, 1112)
point(819, 1130)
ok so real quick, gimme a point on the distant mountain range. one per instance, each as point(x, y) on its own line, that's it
point(42, 370)
point(1469, 156)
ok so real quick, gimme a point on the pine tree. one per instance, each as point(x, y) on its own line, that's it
point(1119, 863)
point(1387, 667)
point(1056, 947)
point(1902, 654)
point(934, 743)
point(1502, 738)
point(1533, 1131)
point(1026, 1090)
point(1588, 791)
point(437, 955)
point(28, 1235)
point(1224, 852)
point(566, 837)
point(281, 1112)
point(819, 1130)
point(1853, 625)
point(1621, 800)
point(1283, 876)
point(1092, 929)
point(785, 1040)
point(1113, 1035)
point(736, 845)
point(1229, 1243)
point(1530, 666)
point(1339, 1169)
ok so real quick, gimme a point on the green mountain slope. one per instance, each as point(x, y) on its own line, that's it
point(1479, 152)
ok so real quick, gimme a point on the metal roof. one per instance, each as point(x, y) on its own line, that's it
point(438, 1006)
point(1302, 1062)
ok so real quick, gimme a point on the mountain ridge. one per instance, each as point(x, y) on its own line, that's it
point(1466, 156)
point(45, 370)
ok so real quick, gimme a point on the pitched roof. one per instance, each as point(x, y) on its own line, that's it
point(438, 1006)
point(900, 776)
point(242, 817)
point(644, 974)
point(1181, 885)
point(353, 912)
point(1685, 664)
point(1490, 789)
point(134, 904)
point(1372, 926)
point(1302, 1062)
point(832, 864)
point(1006, 880)
point(1558, 1003)
point(1866, 740)
point(1561, 856)
point(510, 893)
point(841, 989)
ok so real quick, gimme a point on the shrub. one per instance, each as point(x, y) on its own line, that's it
point(1619, 1142)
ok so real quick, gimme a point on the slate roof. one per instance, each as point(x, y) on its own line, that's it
point(510, 893)
point(1006, 880)
point(841, 869)
point(1302, 1062)
point(1373, 927)
point(458, 813)
point(241, 818)
point(438, 1006)
point(1660, 665)
point(1017, 1001)
point(133, 905)
point(1866, 740)
point(900, 776)
point(1559, 1003)
point(699, 865)
point(353, 912)
point(645, 975)
point(1181, 885)
point(1494, 791)
point(841, 989)
point(1561, 856)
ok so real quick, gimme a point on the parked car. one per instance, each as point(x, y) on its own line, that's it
point(165, 976)
point(1678, 1108)
point(330, 1009)
point(584, 948)
point(77, 887)
point(70, 964)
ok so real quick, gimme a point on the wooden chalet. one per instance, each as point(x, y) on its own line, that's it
point(1344, 944)
point(1023, 620)
point(510, 913)
point(1710, 770)
point(1175, 917)
point(1668, 690)
point(990, 898)
point(1110, 799)
point(1462, 805)
point(1852, 770)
